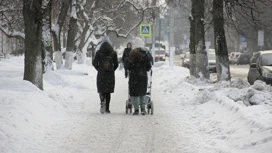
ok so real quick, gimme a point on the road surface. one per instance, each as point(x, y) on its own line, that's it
point(236, 70)
point(86, 130)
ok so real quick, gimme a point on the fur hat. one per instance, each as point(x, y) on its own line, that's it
point(106, 39)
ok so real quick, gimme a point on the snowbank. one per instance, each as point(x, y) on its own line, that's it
point(28, 114)
point(25, 112)
point(225, 116)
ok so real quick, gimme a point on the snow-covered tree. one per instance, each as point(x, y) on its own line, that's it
point(58, 19)
point(72, 32)
point(221, 50)
point(47, 36)
point(198, 53)
point(247, 17)
point(33, 17)
point(98, 18)
point(11, 18)
point(192, 40)
point(202, 69)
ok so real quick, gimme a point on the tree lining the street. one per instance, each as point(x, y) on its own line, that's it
point(87, 26)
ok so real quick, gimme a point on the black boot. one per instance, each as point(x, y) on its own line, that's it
point(143, 112)
point(103, 103)
point(136, 112)
point(103, 107)
point(108, 103)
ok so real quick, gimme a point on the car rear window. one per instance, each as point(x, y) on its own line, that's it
point(244, 55)
point(159, 52)
point(266, 60)
point(211, 56)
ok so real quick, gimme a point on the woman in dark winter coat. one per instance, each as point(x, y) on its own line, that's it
point(138, 66)
point(125, 57)
point(105, 62)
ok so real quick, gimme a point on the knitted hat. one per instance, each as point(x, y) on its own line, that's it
point(106, 39)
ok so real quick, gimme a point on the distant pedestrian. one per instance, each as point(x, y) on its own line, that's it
point(125, 57)
point(138, 66)
point(105, 62)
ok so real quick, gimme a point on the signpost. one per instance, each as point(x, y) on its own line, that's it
point(261, 39)
point(243, 44)
point(145, 30)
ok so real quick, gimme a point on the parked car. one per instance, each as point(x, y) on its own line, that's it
point(231, 57)
point(160, 55)
point(212, 61)
point(241, 58)
point(186, 60)
point(260, 67)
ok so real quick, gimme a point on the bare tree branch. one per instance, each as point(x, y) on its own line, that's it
point(10, 33)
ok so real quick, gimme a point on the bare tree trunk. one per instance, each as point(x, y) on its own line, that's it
point(192, 41)
point(221, 50)
point(64, 35)
point(32, 13)
point(56, 32)
point(202, 69)
point(46, 41)
point(82, 48)
point(73, 29)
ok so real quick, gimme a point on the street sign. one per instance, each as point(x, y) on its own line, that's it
point(145, 30)
point(243, 42)
point(260, 38)
point(243, 39)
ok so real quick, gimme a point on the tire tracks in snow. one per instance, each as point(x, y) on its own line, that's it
point(149, 146)
point(119, 139)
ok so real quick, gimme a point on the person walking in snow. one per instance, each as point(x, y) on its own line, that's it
point(138, 66)
point(105, 62)
point(125, 57)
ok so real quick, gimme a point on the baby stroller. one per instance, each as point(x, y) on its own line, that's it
point(148, 101)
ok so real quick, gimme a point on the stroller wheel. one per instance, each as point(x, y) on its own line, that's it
point(126, 107)
point(152, 108)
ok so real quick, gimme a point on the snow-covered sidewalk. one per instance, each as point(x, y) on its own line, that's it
point(191, 116)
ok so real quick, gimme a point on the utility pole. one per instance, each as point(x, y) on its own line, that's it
point(2, 35)
point(171, 43)
point(159, 34)
point(153, 30)
point(153, 38)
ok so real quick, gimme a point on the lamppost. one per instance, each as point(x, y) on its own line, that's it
point(2, 34)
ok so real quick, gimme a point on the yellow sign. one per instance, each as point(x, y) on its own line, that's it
point(145, 30)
